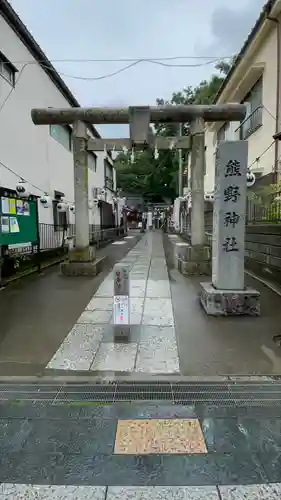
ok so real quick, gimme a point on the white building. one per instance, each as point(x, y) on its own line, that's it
point(254, 79)
point(41, 155)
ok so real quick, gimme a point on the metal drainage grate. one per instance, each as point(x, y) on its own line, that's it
point(228, 393)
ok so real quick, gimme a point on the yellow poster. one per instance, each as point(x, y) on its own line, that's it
point(12, 206)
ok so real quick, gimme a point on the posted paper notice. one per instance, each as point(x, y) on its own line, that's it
point(5, 225)
point(5, 205)
point(14, 225)
point(121, 310)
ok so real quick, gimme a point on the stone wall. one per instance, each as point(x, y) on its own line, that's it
point(263, 250)
point(262, 247)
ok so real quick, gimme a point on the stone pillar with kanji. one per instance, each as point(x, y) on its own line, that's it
point(227, 294)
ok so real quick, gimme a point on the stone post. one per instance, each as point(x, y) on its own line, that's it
point(227, 295)
point(82, 256)
point(121, 302)
point(197, 181)
point(194, 259)
point(80, 160)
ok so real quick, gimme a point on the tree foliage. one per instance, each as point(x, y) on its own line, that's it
point(156, 179)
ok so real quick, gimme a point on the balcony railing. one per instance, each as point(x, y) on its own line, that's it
point(251, 123)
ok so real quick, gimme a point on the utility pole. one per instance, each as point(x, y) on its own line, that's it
point(180, 163)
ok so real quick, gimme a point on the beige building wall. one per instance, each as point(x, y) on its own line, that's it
point(261, 63)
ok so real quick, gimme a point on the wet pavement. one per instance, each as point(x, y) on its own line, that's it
point(57, 443)
point(63, 326)
point(152, 346)
point(170, 332)
point(37, 312)
point(223, 345)
point(164, 416)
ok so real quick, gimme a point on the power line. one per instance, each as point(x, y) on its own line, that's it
point(25, 180)
point(144, 59)
point(109, 75)
point(13, 88)
point(267, 110)
point(260, 156)
point(125, 68)
point(20, 177)
point(135, 63)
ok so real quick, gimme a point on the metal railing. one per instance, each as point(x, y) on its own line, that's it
point(52, 246)
point(259, 210)
point(51, 238)
point(264, 210)
point(251, 123)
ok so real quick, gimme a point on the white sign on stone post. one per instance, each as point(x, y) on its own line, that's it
point(229, 215)
point(121, 302)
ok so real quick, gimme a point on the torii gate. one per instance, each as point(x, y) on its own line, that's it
point(82, 258)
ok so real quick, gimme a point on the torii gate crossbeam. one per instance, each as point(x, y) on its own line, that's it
point(157, 114)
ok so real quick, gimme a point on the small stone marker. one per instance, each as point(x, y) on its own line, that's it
point(121, 302)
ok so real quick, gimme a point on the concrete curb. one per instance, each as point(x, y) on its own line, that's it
point(110, 377)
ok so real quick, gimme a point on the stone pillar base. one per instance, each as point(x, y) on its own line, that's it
point(193, 260)
point(229, 302)
point(121, 333)
point(86, 254)
point(72, 268)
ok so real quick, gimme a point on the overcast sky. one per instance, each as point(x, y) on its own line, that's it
point(114, 29)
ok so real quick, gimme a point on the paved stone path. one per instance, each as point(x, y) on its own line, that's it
point(57, 444)
point(152, 347)
point(31, 492)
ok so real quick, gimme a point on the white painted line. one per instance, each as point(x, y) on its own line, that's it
point(129, 237)
point(119, 243)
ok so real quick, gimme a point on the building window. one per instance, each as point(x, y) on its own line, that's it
point(62, 134)
point(221, 135)
point(7, 69)
point(60, 218)
point(108, 175)
point(92, 161)
point(253, 103)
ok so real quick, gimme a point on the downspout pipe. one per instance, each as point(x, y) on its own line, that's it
point(278, 104)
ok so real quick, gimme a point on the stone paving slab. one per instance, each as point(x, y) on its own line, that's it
point(155, 436)
point(131, 470)
point(45, 449)
point(32, 492)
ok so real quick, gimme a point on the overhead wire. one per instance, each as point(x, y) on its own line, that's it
point(262, 154)
point(133, 62)
point(20, 177)
point(123, 59)
point(44, 192)
point(125, 68)
point(108, 75)
point(13, 87)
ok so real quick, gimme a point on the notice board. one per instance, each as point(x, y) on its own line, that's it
point(18, 221)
